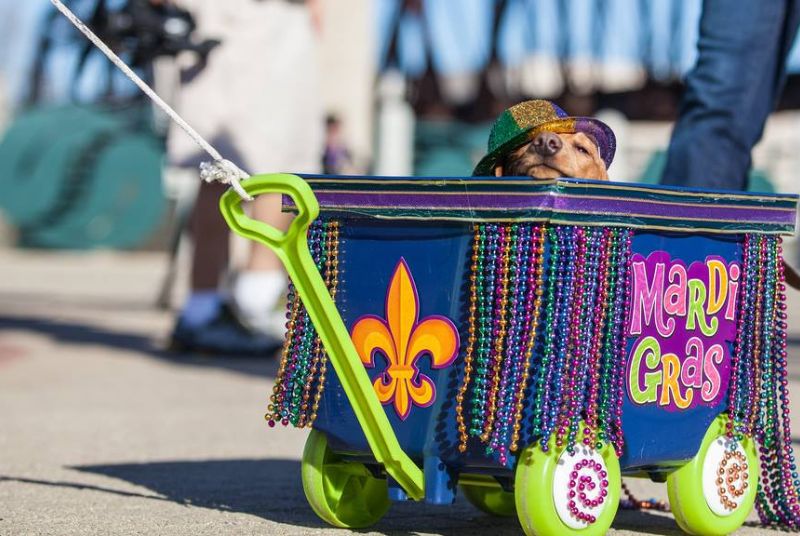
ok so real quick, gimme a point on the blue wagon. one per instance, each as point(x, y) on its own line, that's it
point(529, 342)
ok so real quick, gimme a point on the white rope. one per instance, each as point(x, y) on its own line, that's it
point(220, 170)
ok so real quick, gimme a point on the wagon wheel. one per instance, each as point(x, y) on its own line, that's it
point(343, 494)
point(715, 492)
point(558, 493)
point(485, 494)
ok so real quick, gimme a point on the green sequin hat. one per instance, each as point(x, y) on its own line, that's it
point(523, 121)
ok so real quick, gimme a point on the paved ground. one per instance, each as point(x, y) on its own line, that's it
point(101, 432)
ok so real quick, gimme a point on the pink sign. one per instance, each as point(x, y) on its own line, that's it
point(684, 320)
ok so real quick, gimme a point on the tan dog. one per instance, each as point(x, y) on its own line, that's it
point(551, 155)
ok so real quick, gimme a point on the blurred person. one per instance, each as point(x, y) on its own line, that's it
point(256, 100)
point(735, 84)
point(336, 159)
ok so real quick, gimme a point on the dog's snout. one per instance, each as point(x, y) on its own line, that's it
point(547, 143)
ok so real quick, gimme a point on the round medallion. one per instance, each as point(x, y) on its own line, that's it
point(725, 475)
point(580, 487)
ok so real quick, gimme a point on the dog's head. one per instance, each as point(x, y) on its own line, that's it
point(538, 139)
point(551, 155)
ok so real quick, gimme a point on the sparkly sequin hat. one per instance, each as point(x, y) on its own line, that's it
point(523, 121)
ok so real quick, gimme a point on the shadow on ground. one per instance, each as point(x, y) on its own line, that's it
point(266, 488)
point(75, 333)
point(272, 490)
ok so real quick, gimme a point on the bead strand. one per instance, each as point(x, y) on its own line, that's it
point(560, 373)
point(535, 292)
point(475, 269)
point(276, 398)
point(545, 412)
point(585, 365)
point(316, 359)
point(620, 363)
point(485, 308)
point(594, 385)
point(333, 285)
point(608, 353)
point(301, 373)
point(499, 332)
point(572, 363)
point(308, 339)
point(520, 309)
point(734, 409)
point(757, 336)
point(549, 339)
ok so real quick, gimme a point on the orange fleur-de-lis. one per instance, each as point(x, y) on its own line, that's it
point(402, 340)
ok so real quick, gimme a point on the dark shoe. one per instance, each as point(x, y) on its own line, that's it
point(223, 335)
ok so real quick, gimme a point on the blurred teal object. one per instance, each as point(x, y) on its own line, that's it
point(448, 148)
point(40, 146)
point(758, 180)
point(82, 176)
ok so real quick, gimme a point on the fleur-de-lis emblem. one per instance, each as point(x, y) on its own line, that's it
point(403, 340)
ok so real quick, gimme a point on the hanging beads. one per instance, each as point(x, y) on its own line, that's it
point(572, 357)
point(514, 354)
point(535, 288)
point(758, 400)
point(477, 248)
point(301, 374)
point(622, 302)
point(278, 390)
point(553, 382)
point(499, 330)
point(546, 311)
point(543, 370)
point(594, 365)
point(486, 310)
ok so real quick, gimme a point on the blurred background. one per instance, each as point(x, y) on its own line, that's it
point(408, 86)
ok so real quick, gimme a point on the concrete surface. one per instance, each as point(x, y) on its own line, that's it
point(102, 432)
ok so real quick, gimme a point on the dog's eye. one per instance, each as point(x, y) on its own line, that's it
point(582, 149)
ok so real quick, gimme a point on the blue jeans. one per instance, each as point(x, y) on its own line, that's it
point(731, 90)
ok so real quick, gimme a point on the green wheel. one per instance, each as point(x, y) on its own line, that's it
point(715, 492)
point(486, 495)
point(561, 494)
point(343, 494)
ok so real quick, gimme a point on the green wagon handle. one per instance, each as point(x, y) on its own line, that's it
point(292, 249)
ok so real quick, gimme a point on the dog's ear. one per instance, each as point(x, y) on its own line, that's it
point(498, 171)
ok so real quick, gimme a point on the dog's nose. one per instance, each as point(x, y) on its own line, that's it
point(546, 143)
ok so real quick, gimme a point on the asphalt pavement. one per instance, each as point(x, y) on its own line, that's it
point(103, 432)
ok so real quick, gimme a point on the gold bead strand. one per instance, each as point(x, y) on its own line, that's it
point(473, 299)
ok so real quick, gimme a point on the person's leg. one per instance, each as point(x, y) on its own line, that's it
point(206, 322)
point(282, 119)
point(267, 208)
point(730, 92)
point(210, 258)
